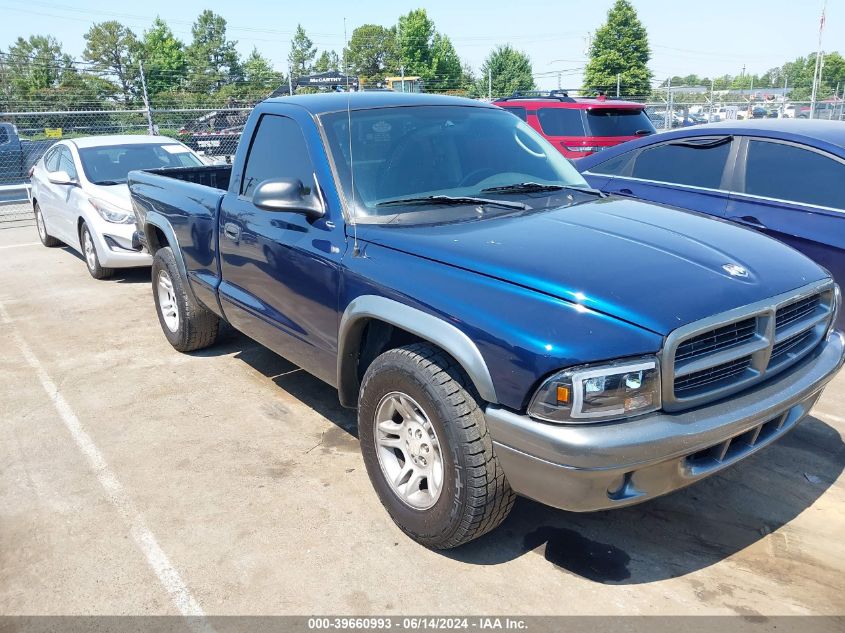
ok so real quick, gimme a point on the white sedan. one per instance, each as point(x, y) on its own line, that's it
point(80, 197)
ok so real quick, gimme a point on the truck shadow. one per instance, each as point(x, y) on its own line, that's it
point(682, 532)
point(665, 538)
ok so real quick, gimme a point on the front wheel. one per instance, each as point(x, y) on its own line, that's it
point(187, 324)
point(92, 260)
point(427, 450)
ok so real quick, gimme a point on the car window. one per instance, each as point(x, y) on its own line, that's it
point(278, 151)
point(618, 122)
point(110, 164)
point(51, 160)
point(561, 121)
point(522, 113)
point(4, 136)
point(698, 164)
point(613, 167)
point(66, 162)
point(787, 172)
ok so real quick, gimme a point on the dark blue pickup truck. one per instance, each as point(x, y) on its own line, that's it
point(501, 327)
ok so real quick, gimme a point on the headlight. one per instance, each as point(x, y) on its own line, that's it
point(597, 393)
point(112, 213)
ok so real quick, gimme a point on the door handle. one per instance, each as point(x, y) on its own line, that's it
point(232, 231)
point(750, 221)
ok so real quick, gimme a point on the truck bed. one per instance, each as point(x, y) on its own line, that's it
point(214, 176)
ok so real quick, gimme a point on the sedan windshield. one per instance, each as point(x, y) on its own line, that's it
point(444, 163)
point(110, 165)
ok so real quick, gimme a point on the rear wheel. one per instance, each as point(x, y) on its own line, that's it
point(187, 325)
point(427, 450)
point(46, 239)
point(92, 260)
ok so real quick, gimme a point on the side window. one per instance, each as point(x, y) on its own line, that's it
point(698, 164)
point(561, 121)
point(4, 135)
point(278, 151)
point(518, 112)
point(66, 162)
point(51, 160)
point(612, 167)
point(786, 172)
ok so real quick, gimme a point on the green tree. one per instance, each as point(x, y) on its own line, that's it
point(35, 64)
point(372, 52)
point(165, 63)
point(415, 35)
point(302, 53)
point(510, 70)
point(446, 72)
point(212, 59)
point(112, 48)
point(620, 47)
point(326, 61)
point(259, 77)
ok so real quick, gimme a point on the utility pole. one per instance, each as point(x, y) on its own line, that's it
point(617, 84)
point(670, 110)
point(402, 73)
point(817, 70)
point(490, 84)
point(710, 110)
point(150, 126)
point(290, 80)
point(783, 97)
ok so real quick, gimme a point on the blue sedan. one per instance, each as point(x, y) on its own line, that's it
point(785, 178)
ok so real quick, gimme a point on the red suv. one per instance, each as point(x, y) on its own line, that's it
point(579, 127)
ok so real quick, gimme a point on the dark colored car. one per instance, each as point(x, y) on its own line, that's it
point(17, 156)
point(500, 327)
point(580, 127)
point(785, 178)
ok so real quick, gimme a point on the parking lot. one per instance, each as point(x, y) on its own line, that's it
point(137, 480)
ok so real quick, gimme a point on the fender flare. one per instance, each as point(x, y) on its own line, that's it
point(153, 218)
point(427, 326)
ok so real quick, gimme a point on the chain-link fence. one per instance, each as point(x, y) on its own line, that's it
point(214, 133)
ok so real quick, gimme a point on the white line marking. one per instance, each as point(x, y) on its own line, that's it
point(828, 416)
point(20, 245)
point(144, 538)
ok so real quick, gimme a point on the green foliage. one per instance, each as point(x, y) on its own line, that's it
point(35, 64)
point(372, 53)
point(212, 59)
point(302, 53)
point(415, 39)
point(327, 61)
point(511, 71)
point(113, 49)
point(620, 47)
point(446, 71)
point(259, 77)
point(165, 62)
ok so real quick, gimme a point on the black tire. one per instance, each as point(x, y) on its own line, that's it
point(92, 260)
point(46, 239)
point(196, 326)
point(475, 497)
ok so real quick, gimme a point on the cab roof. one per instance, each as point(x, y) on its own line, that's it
point(323, 103)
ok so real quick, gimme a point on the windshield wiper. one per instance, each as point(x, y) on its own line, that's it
point(110, 182)
point(530, 187)
point(522, 187)
point(454, 200)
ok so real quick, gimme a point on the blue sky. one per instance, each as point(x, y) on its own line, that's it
point(705, 37)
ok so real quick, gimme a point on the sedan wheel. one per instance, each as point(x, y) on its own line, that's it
point(92, 260)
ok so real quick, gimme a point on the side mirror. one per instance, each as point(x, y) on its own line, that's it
point(287, 195)
point(61, 178)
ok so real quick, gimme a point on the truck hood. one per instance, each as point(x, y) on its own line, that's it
point(654, 266)
point(118, 195)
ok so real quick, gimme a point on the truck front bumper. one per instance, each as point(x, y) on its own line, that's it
point(598, 466)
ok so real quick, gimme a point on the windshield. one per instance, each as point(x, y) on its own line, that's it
point(617, 122)
point(111, 164)
point(408, 153)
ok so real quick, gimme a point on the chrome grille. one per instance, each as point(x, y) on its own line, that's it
point(715, 357)
point(720, 338)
